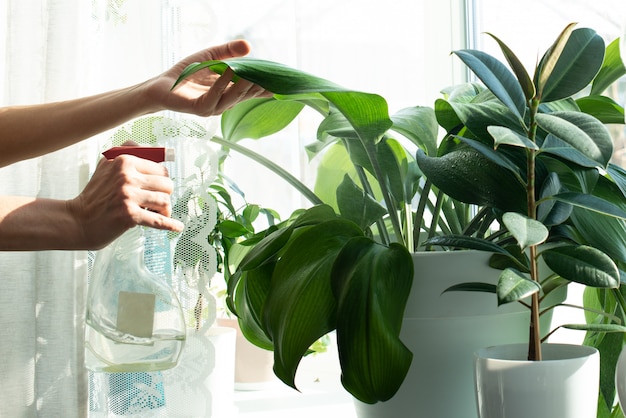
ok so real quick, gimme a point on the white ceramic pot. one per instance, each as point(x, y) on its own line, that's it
point(564, 384)
point(620, 379)
point(443, 330)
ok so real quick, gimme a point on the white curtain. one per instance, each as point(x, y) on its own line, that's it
point(42, 295)
point(55, 50)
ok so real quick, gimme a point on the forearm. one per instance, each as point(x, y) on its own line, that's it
point(30, 131)
point(38, 224)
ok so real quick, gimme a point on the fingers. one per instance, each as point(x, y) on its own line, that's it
point(224, 94)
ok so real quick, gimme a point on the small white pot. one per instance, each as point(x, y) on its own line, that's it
point(564, 384)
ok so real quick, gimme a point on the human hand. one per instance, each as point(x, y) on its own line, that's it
point(204, 93)
point(123, 192)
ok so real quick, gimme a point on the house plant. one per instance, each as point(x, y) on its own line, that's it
point(542, 148)
point(345, 249)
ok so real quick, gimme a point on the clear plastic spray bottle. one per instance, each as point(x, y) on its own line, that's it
point(134, 319)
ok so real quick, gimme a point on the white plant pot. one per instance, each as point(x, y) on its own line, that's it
point(443, 330)
point(564, 384)
point(254, 366)
point(620, 379)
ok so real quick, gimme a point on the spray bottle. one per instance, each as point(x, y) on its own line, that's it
point(134, 319)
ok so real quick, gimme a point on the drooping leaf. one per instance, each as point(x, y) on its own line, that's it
point(356, 205)
point(582, 264)
point(372, 283)
point(257, 118)
point(419, 125)
point(301, 306)
point(367, 113)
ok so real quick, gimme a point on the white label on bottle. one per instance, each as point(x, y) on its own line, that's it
point(135, 313)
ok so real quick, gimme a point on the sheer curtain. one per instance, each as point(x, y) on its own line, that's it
point(56, 50)
point(42, 297)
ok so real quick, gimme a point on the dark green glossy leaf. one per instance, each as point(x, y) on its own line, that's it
point(518, 69)
point(356, 205)
point(581, 131)
point(368, 113)
point(514, 286)
point(301, 307)
point(582, 264)
point(497, 78)
point(372, 284)
point(592, 203)
point(473, 287)
point(468, 176)
point(419, 125)
point(570, 64)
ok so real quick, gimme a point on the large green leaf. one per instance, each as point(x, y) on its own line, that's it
point(497, 78)
point(257, 118)
point(372, 283)
point(478, 117)
point(368, 113)
point(583, 132)
point(582, 264)
point(468, 176)
point(603, 232)
point(419, 125)
point(612, 68)
point(570, 64)
point(301, 307)
point(603, 108)
point(356, 205)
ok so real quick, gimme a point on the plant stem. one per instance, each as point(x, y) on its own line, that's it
point(285, 175)
point(534, 345)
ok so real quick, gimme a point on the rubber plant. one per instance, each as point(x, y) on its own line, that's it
point(550, 179)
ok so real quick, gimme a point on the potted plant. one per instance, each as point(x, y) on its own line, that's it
point(555, 192)
point(351, 272)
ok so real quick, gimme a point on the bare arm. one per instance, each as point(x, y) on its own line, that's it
point(122, 193)
point(30, 131)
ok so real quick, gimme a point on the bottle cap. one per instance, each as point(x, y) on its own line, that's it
point(170, 154)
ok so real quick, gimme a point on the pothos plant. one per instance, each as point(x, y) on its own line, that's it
point(345, 263)
point(550, 179)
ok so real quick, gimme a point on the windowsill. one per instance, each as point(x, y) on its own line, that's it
point(320, 392)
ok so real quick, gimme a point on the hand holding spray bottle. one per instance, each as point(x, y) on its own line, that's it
point(134, 319)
